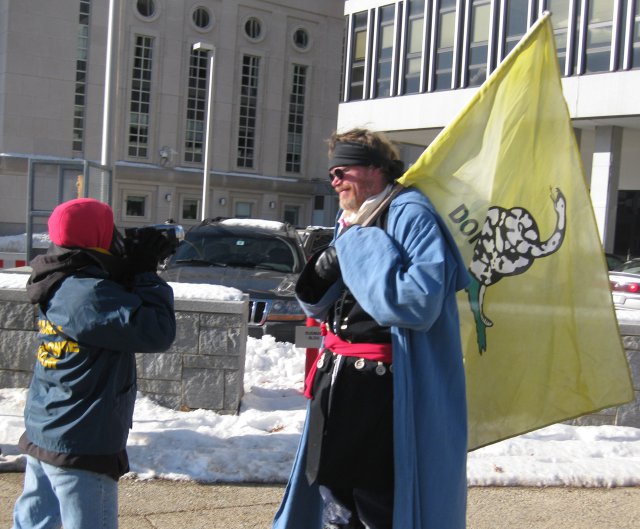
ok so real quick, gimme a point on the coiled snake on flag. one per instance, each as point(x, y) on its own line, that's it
point(508, 245)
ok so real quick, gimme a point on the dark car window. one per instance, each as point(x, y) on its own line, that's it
point(630, 267)
point(237, 250)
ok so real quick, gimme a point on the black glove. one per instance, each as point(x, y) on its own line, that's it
point(145, 249)
point(327, 266)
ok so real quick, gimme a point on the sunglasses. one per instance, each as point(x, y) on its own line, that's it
point(337, 173)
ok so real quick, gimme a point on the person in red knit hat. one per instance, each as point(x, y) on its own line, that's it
point(98, 307)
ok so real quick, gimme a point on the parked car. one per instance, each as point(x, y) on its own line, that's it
point(625, 285)
point(259, 257)
point(613, 261)
point(315, 238)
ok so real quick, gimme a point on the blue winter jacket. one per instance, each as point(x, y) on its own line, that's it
point(83, 388)
point(406, 277)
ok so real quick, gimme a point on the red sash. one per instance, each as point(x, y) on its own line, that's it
point(378, 352)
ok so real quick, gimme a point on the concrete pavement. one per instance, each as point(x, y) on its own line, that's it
point(178, 505)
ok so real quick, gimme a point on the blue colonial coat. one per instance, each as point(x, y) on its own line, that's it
point(406, 277)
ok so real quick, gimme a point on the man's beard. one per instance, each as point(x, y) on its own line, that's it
point(349, 204)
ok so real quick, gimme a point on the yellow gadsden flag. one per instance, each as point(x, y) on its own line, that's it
point(539, 331)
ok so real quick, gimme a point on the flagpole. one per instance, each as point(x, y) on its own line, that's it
point(383, 205)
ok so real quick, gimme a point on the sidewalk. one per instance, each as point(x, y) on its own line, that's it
point(176, 505)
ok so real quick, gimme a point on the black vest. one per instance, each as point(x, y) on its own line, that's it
point(348, 320)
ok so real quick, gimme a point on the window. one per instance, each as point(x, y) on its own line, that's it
point(248, 111)
point(560, 23)
point(140, 99)
point(253, 28)
point(292, 214)
point(413, 56)
point(189, 209)
point(136, 205)
point(146, 8)
point(201, 17)
point(244, 210)
point(480, 16)
point(386, 46)
point(81, 77)
point(599, 35)
point(296, 119)
point(635, 60)
point(445, 41)
point(358, 56)
point(301, 39)
point(196, 107)
point(516, 23)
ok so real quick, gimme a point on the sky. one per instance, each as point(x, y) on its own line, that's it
point(259, 443)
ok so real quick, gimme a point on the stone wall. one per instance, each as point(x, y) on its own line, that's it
point(204, 368)
point(626, 414)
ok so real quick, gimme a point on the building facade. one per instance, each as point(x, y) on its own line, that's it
point(120, 99)
point(412, 65)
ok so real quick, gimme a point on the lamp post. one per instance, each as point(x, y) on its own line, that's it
point(107, 122)
point(204, 46)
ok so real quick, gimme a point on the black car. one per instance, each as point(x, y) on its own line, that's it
point(259, 257)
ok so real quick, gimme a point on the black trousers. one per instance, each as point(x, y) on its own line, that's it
point(357, 508)
point(350, 442)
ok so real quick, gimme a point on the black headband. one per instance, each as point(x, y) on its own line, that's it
point(352, 153)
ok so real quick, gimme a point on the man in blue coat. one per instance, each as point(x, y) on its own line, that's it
point(97, 309)
point(385, 440)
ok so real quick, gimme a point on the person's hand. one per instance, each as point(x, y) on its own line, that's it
point(146, 249)
point(327, 266)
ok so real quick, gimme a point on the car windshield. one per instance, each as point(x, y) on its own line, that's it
point(246, 251)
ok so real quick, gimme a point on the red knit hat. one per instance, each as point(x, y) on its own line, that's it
point(81, 223)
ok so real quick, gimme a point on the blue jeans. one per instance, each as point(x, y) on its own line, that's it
point(54, 496)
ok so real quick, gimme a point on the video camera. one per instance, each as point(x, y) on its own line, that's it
point(174, 233)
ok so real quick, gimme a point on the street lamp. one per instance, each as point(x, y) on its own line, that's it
point(204, 46)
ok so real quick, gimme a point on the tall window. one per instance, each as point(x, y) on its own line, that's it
point(516, 24)
point(196, 105)
point(296, 119)
point(560, 22)
point(81, 76)
point(445, 42)
point(480, 16)
point(139, 106)
point(358, 56)
point(599, 34)
point(385, 49)
point(248, 111)
point(635, 58)
point(413, 57)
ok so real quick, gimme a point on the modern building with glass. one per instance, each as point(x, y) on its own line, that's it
point(412, 65)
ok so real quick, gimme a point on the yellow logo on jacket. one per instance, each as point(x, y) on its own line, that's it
point(50, 352)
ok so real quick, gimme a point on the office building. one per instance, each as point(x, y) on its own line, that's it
point(412, 65)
